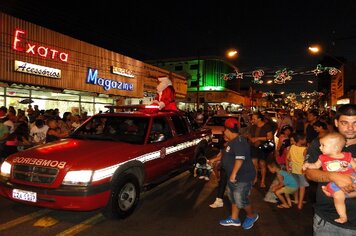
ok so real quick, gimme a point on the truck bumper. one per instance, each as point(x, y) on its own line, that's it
point(64, 198)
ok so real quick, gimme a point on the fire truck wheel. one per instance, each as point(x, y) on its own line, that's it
point(124, 197)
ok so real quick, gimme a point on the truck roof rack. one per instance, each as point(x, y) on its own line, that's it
point(143, 108)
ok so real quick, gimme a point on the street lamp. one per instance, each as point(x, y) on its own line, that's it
point(198, 81)
point(316, 49)
point(328, 81)
point(231, 53)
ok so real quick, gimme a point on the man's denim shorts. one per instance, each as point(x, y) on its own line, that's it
point(239, 193)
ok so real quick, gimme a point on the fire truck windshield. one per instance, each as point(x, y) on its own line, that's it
point(114, 128)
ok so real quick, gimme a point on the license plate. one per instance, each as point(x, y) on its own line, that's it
point(215, 140)
point(24, 195)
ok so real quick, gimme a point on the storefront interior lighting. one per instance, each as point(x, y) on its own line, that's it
point(213, 88)
point(343, 101)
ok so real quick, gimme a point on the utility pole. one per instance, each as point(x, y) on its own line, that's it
point(198, 81)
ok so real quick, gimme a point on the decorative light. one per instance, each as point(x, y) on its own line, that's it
point(239, 75)
point(319, 69)
point(257, 75)
point(282, 75)
point(333, 71)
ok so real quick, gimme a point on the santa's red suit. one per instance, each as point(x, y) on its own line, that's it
point(166, 95)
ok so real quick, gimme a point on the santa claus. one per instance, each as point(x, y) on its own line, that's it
point(166, 95)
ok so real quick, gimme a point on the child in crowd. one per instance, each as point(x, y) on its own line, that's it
point(281, 156)
point(287, 184)
point(295, 159)
point(270, 196)
point(282, 145)
point(333, 159)
point(202, 169)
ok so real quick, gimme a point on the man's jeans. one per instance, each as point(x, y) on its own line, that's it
point(324, 228)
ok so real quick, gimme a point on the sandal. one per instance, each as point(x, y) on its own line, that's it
point(283, 206)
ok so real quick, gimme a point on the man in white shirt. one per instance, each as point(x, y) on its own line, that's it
point(38, 132)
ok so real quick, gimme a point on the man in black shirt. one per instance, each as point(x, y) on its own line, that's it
point(310, 132)
point(325, 212)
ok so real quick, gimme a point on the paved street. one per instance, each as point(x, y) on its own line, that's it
point(176, 207)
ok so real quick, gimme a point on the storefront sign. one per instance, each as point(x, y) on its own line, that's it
point(122, 71)
point(33, 49)
point(107, 84)
point(29, 68)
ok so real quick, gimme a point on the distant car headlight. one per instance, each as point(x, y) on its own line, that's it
point(79, 178)
point(5, 169)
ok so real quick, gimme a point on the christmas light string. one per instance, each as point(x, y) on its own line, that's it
point(280, 76)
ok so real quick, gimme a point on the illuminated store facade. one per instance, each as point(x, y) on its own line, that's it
point(45, 68)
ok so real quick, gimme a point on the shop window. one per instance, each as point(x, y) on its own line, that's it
point(100, 108)
point(67, 97)
point(2, 101)
point(87, 107)
point(16, 103)
point(87, 98)
point(41, 94)
point(14, 92)
point(104, 100)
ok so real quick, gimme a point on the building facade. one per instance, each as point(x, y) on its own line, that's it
point(210, 81)
point(45, 68)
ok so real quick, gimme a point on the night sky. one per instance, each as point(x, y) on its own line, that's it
point(269, 35)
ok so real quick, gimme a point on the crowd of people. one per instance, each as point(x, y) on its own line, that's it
point(304, 143)
point(22, 129)
point(311, 149)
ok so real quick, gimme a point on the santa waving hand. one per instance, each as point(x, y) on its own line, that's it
point(166, 95)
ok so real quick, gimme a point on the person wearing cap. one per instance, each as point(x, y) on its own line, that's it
point(240, 172)
point(166, 95)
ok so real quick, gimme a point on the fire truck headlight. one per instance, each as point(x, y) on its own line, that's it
point(5, 169)
point(78, 178)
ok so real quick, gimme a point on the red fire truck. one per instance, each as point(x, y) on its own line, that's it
point(106, 162)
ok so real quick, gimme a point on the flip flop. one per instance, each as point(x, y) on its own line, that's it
point(282, 206)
